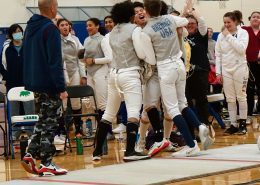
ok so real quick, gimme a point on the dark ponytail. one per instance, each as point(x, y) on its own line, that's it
point(239, 16)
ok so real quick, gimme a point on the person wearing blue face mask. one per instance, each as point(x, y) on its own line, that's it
point(13, 60)
point(13, 63)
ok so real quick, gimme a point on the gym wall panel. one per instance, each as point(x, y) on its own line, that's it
point(14, 11)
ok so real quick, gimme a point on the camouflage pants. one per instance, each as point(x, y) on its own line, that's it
point(42, 139)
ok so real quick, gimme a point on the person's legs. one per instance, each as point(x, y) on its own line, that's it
point(51, 112)
point(229, 90)
point(241, 76)
point(256, 71)
point(169, 74)
point(129, 82)
point(43, 136)
point(201, 97)
point(251, 88)
point(122, 119)
point(150, 114)
point(113, 103)
point(100, 82)
point(152, 96)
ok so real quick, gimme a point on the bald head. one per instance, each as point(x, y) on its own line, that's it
point(48, 8)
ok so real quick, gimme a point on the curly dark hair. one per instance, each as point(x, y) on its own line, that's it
point(122, 12)
point(138, 4)
point(12, 29)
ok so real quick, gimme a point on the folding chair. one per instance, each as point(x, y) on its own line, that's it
point(81, 92)
point(212, 99)
point(19, 94)
point(4, 130)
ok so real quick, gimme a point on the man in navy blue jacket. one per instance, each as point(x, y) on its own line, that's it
point(43, 74)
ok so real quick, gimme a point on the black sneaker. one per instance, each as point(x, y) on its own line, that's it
point(231, 130)
point(242, 130)
point(135, 156)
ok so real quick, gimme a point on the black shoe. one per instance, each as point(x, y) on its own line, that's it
point(231, 130)
point(242, 130)
point(135, 156)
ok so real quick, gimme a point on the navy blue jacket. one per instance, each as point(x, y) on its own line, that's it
point(14, 64)
point(43, 67)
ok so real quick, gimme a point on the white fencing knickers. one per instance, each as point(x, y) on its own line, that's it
point(126, 81)
point(99, 83)
point(172, 78)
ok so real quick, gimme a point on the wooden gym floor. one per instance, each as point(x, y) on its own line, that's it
point(11, 169)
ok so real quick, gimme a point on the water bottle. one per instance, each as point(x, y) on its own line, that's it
point(79, 144)
point(89, 127)
point(23, 145)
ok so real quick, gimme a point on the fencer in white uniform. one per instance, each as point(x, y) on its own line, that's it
point(231, 66)
point(124, 81)
point(97, 62)
point(160, 40)
point(75, 73)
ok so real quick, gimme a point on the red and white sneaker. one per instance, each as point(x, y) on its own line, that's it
point(51, 170)
point(158, 146)
point(28, 164)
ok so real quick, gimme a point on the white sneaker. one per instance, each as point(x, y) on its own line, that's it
point(96, 158)
point(140, 146)
point(58, 140)
point(186, 151)
point(205, 139)
point(121, 128)
point(63, 137)
point(258, 142)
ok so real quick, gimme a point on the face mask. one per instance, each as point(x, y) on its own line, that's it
point(18, 36)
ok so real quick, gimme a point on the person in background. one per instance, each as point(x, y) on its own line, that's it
point(232, 70)
point(211, 47)
point(253, 59)
point(3, 65)
point(44, 75)
point(197, 81)
point(97, 59)
point(13, 57)
point(75, 73)
point(13, 62)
